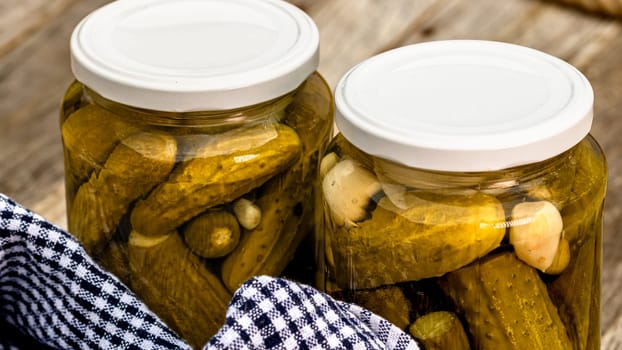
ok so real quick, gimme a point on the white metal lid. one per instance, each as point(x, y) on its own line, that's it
point(464, 105)
point(192, 55)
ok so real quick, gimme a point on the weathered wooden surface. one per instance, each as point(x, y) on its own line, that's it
point(34, 71)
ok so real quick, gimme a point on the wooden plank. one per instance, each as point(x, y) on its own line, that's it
point(351, 31)
point(611, 303)
point(606, 7)
point(52, 203)
point(33, 77)
point(22, 18)
point(611, 339)
point(552, 28)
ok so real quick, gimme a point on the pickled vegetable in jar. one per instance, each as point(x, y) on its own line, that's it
point(192, 137)
point(462, 199)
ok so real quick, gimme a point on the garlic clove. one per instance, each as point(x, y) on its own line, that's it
point(348, 188)
point(394, 191)
point(396, 194)
point(327, 163)
point(535, 233)
point(247, 213)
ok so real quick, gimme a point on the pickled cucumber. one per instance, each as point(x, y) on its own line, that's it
point(347, 150)
point(440, 330)
point(312, 104)
point(295, 230)
point(286, 201)
point(135, 166)
point(588, 189)
point(72, 99)
point(281, 203)
point(426, 296)
point(114, 259)
point(212, 234)
point(228, 166)
point(576, 292)
point(388, 302)
point(173, 283)
point(506, 305)
point(438, 233)
point(89, 136)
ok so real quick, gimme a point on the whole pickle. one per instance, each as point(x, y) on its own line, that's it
point(348, 151)
point(135, 166)
point(578, 304)
point(173, 283)
point(426, 296)
point(114, 259)
point(285, 201)
point(89, 136)
point(295, 230)
point(312, 103)
point(278, 201)
point(388, 302)
point(437, 233)
point(72, 99)
point(212, 234)
point(506, 305)
point(440, 330)
point(227, 166)
point(588, 189)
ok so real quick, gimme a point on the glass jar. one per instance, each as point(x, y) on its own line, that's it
point(462, 199)
point(192, 137)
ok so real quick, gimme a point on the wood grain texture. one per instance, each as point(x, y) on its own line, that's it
point(607, 7)
point(34, 71)
point(21, 18)
point(33, 77)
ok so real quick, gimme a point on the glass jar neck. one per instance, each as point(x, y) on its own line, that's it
point(269, 111)
point(391, 172)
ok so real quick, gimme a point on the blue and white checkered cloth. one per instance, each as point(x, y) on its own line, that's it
point(53, 296)
point(273, 313)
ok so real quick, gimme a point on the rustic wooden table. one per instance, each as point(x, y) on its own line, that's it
point(34, 71)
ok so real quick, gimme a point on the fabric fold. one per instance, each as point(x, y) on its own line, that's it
point(54, 296)
point(53, 292)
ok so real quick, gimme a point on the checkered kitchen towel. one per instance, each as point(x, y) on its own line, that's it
point(53, 293)
point(272, 313)
point(53, 296)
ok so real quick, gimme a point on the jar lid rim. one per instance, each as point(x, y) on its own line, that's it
point(464, 105)
point(194, 55)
